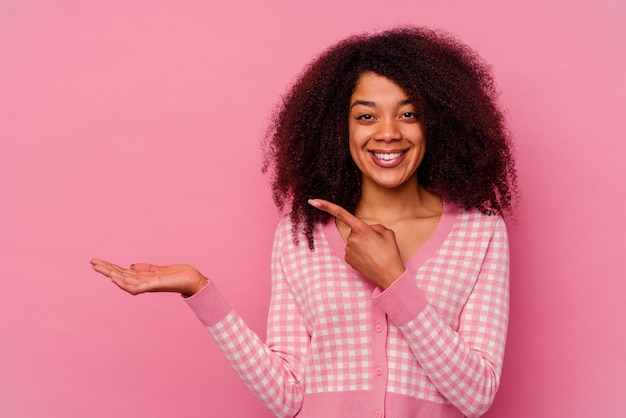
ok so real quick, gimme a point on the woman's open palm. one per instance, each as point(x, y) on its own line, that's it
point(143, 277)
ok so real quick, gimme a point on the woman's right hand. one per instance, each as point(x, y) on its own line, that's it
point(142, 277)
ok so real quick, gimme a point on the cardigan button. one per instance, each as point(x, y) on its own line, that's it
point(379, 413)
point(379, 327)
point(379, 371)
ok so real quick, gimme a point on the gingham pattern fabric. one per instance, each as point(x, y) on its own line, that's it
point(435, 337)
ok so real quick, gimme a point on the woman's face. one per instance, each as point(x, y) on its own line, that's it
point(387, 141)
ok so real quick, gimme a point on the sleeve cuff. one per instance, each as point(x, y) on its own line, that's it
point(403, 301)
point(208, 305)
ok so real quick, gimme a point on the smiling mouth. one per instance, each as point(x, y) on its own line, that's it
point(387, 156)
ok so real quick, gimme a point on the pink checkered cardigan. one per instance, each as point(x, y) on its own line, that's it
point(430, 345)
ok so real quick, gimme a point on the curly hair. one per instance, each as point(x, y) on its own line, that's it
point(468, 159)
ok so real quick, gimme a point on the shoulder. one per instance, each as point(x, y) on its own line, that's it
point(289, 233)
point(474, 224)
point(284, 225)
point(284, 231)
point(473, 216)
point(476, 236)
point(290, 237)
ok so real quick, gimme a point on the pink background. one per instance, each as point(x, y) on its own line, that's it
point(130, 130)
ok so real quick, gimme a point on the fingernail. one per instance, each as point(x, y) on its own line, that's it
point(314, 203)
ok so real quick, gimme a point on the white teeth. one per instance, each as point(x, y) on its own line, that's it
point(387, 156)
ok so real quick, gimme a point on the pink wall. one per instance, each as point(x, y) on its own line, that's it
point(130, 130)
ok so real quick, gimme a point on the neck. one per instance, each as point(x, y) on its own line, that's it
point(386, 206)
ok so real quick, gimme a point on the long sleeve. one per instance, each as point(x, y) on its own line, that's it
point(272, 370)
point(462, 359)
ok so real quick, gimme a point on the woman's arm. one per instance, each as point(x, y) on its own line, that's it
point(464, 365)
point(272, 370)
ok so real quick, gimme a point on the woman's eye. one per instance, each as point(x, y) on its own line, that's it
point(366, 116)
point(409, 115)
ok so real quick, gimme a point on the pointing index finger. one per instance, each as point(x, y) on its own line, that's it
point(338, 212)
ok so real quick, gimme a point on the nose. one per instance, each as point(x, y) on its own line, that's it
point(388, 130)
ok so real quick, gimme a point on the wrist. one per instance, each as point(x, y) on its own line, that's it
point(196, 287)
point(391, 277)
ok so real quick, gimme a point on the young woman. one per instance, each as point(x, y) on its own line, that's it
point(390, 272)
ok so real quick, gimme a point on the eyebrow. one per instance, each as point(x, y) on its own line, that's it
point(373, 104)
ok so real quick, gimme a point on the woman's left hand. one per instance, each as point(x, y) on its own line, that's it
point(372, 250)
